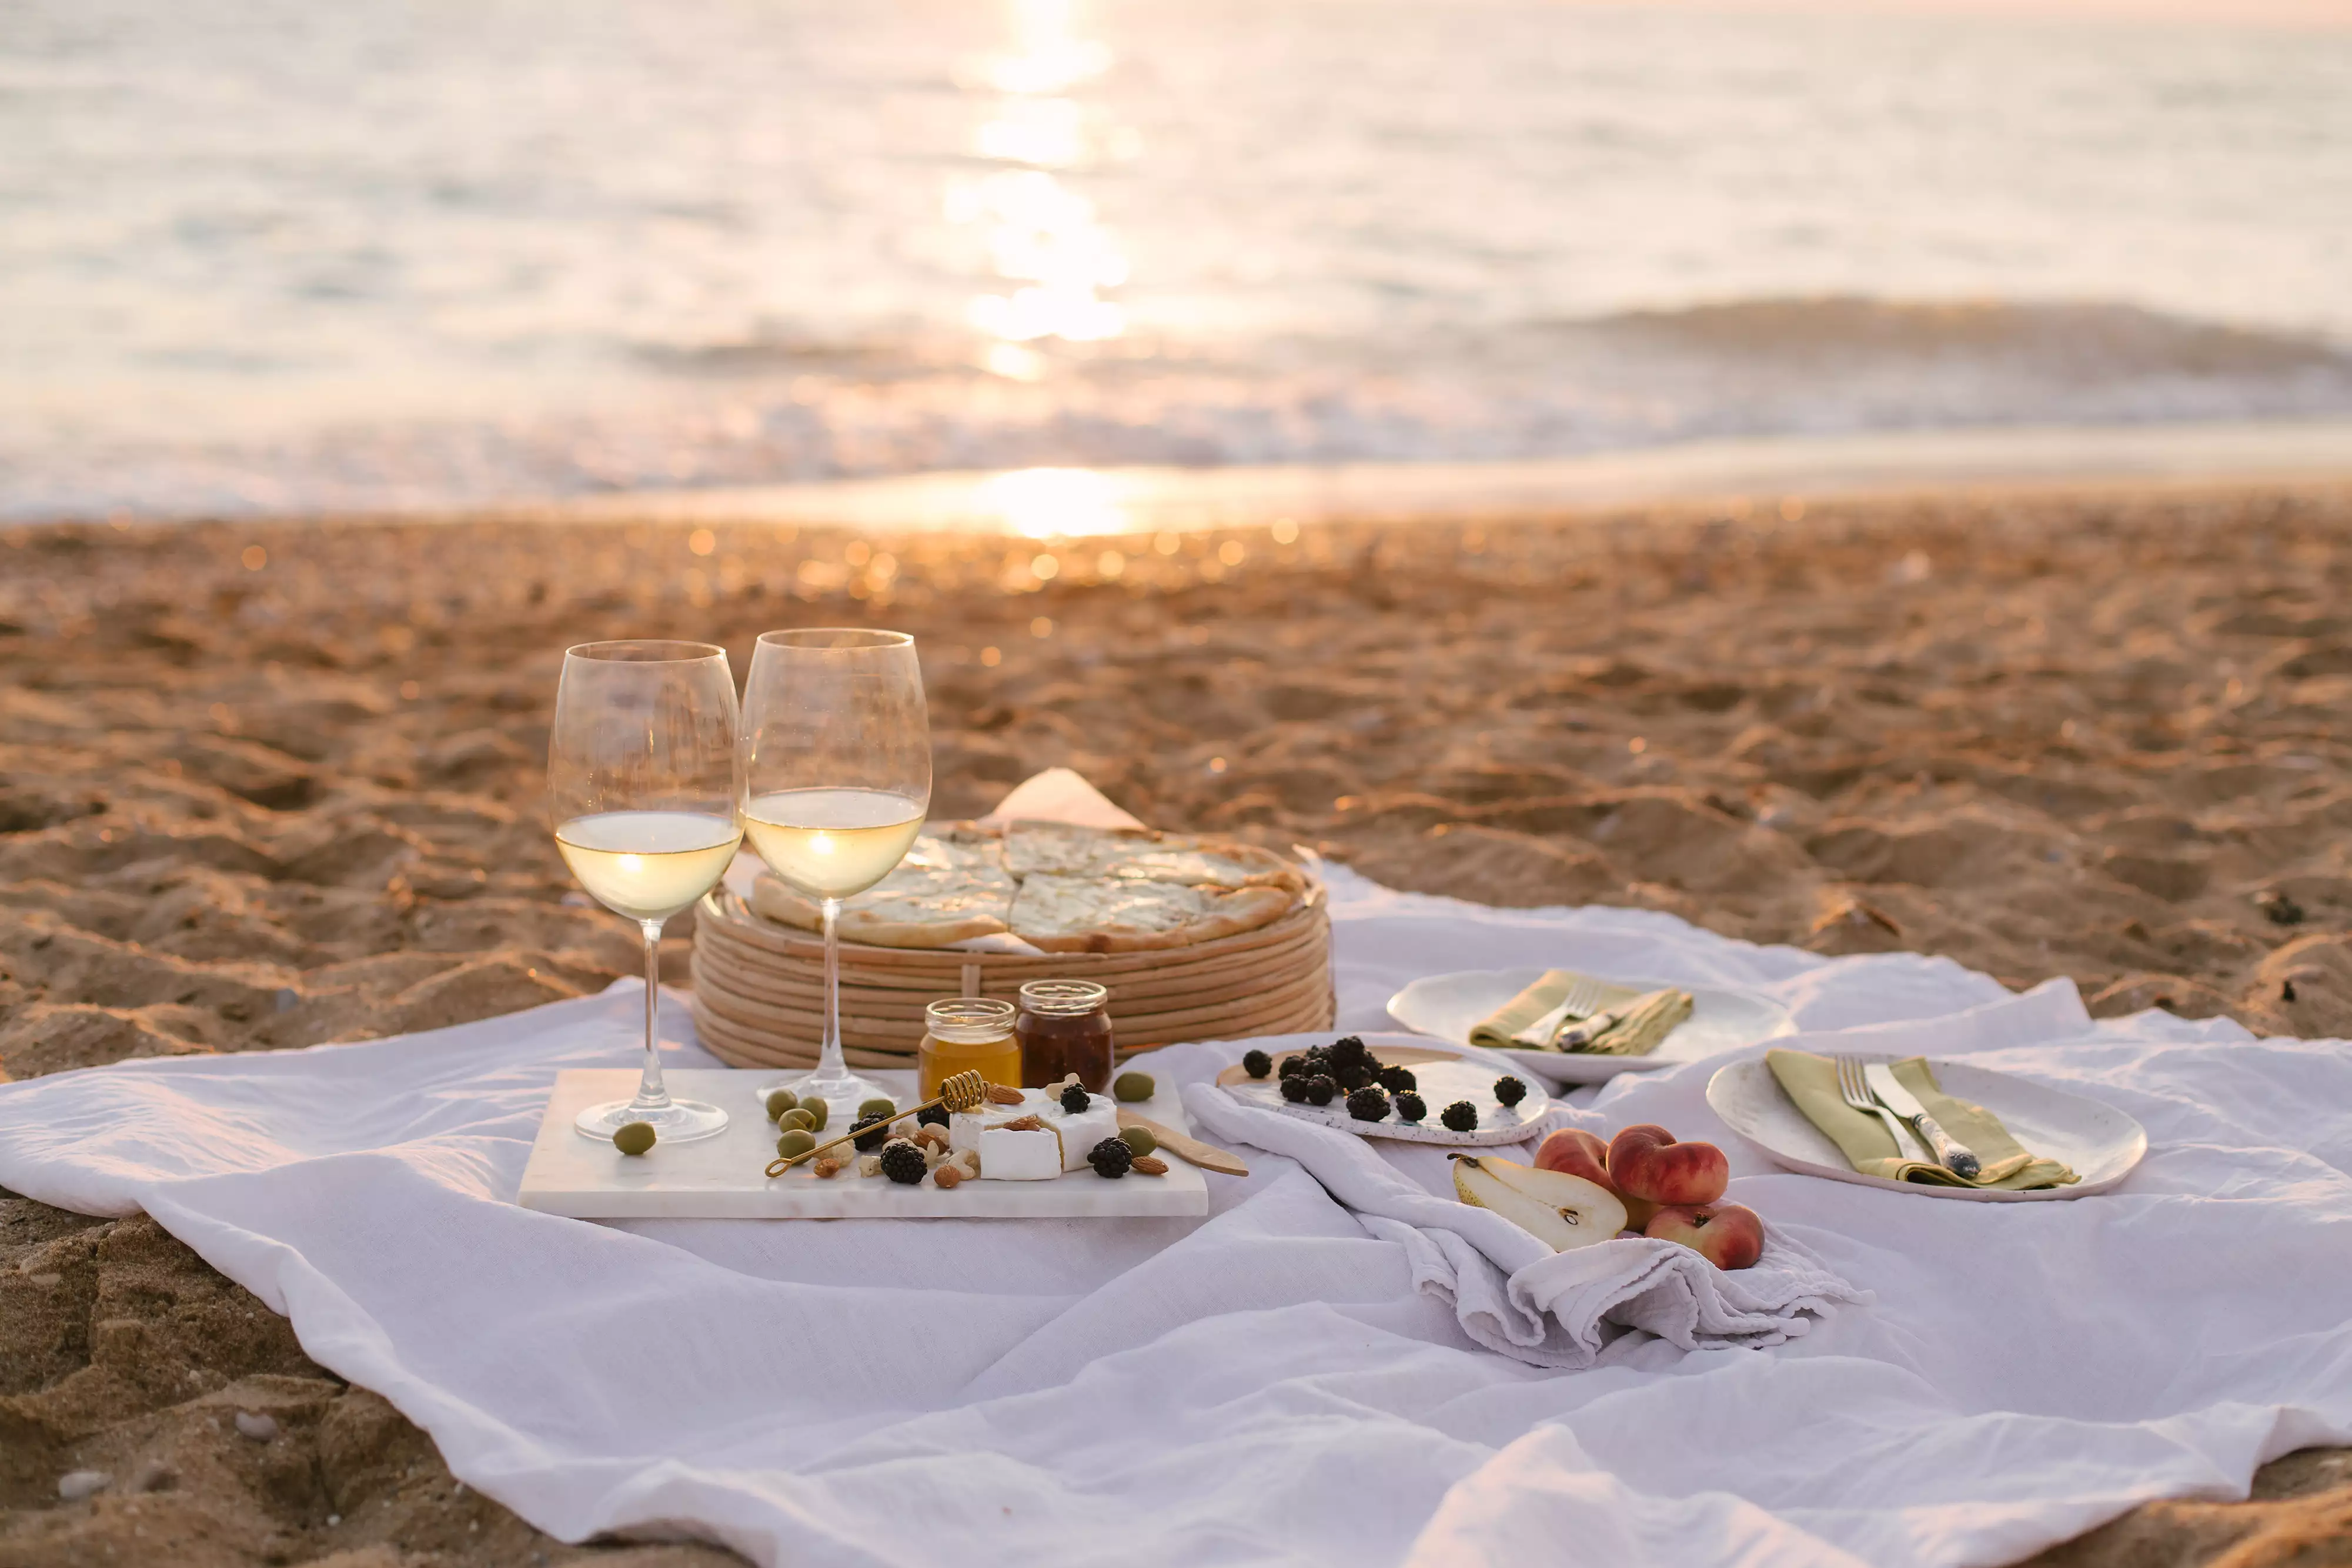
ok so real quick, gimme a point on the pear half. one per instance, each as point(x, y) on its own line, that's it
point(1562, 1211)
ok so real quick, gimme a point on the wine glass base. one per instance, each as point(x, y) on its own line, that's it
point(680, 1122)
point(841, 1095)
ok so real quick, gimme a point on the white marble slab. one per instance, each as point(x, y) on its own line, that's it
point(725, 1177)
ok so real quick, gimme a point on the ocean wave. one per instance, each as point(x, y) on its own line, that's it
point(760, 412)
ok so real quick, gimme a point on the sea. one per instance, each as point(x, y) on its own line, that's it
point(282, 256)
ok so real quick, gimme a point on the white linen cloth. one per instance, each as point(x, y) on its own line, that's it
point(1268, 1385)
point(1511, 1292)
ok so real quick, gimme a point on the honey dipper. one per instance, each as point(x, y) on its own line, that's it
point(962, 1092)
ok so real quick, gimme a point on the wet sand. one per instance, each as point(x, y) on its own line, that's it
point(271, 785)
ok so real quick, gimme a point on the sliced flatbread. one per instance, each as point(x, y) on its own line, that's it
point(1085, 914)
point(914, 907)
point(1057, 849)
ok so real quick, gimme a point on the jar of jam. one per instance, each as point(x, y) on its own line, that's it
point(1064, 1027)
point(967, 1034)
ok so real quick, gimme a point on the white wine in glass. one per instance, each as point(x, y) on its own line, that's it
point(643, 782)
point(838, 767)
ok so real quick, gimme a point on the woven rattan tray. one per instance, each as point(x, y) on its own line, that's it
point(759, 986)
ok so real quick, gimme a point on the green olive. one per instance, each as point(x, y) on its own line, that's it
point(1138, 1140)
point(781, 1101)
point(877, 1106)
point(1132, 1086)
point(796, 1141)
point(817, 1108)
point(633, 1137)
point(798, 1116)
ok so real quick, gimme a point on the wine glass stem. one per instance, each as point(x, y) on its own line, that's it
point(652, 1094)
point(829, 1065)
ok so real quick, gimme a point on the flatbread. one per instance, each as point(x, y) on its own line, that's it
point(1057, 849)
point(914, 907)
point(1091, 914)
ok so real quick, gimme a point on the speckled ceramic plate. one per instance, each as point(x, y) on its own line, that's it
point(1449, 1007)
point(1443, 1078)
point(2100, 1143)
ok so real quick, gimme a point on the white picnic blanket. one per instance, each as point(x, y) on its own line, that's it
point(1510, 1291)
point(1281, 1381)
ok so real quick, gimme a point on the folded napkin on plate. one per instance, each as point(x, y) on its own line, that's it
point(1536, 1019)
point(1811, 1081)
point(1512, 1293)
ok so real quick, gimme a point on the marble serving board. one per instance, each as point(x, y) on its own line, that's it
point(725, 1177)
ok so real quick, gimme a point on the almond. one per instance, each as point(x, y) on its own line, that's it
point(1149, 1164)
point(946, 1176)
point(1021, 1125)
point(998, 1094)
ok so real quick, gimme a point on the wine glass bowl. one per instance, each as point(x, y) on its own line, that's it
point(643, 787)
point(837, 774)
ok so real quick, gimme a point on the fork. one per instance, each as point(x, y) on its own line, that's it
point(1857, 1093)
point(1583, 998)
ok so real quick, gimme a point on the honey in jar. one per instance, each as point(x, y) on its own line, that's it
point(967, 1034)
point(1064, 1028)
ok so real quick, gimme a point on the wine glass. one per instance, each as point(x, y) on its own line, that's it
point(837, 766)
point(644, 787)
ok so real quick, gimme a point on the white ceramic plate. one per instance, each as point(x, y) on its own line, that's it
point(2101, 1143)
point(1449, 1007)
point(1441, 1078)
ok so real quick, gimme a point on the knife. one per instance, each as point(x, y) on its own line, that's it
point(1208, 1156)
point(1952, 1154)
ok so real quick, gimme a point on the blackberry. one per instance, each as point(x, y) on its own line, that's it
point(932, 1115)
point(1509, 1091)
point(1461, 1116)
point(1073, 1099)
point(902, 1162)
point(869, 1141)
point(1349, 1047)
point(1369, 1105)
point(1256, 1064)
point(1411, 1107)
point(1294, 1088)
point(1319, 1090)
point(1352, 1075)
point(1293, 1067)
point(1399, 1080)
point(1110, 1158)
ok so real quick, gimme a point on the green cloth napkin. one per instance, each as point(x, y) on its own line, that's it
point(1530, 1020)
point(1811, 1081)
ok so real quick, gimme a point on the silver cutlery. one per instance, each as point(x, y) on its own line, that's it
point(1856, 1094)
point(1950, 1153)
point(1586, 995)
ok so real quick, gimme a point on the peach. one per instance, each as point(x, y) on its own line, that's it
point(1645, 1163)
point(1727, 1234)
point(1576, 1152)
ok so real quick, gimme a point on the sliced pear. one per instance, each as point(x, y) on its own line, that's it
point(1562, 1211)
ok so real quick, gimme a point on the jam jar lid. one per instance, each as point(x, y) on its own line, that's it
point(1064, 998)
point(968, 1021)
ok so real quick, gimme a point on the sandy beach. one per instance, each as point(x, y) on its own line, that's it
point(267, 786)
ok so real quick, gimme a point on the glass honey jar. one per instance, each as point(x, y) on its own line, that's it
point(1064, 1026)
point(967, 1034)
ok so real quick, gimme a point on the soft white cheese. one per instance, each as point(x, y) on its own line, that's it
point(1019, 1156)
point(1080, 1132)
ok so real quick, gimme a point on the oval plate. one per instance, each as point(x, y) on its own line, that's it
point(2100, 1143)
point(1443, 1078)
point(1448, 1006)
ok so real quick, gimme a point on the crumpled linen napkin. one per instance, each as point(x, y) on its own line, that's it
point(1515, 1295)
point(1629, 1022)
point(1811, 1083)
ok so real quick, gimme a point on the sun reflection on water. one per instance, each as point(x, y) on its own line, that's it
point(1043, 238)
point(1047, 503)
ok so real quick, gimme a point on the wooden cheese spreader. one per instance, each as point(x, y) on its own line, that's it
point(1208, 1156)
